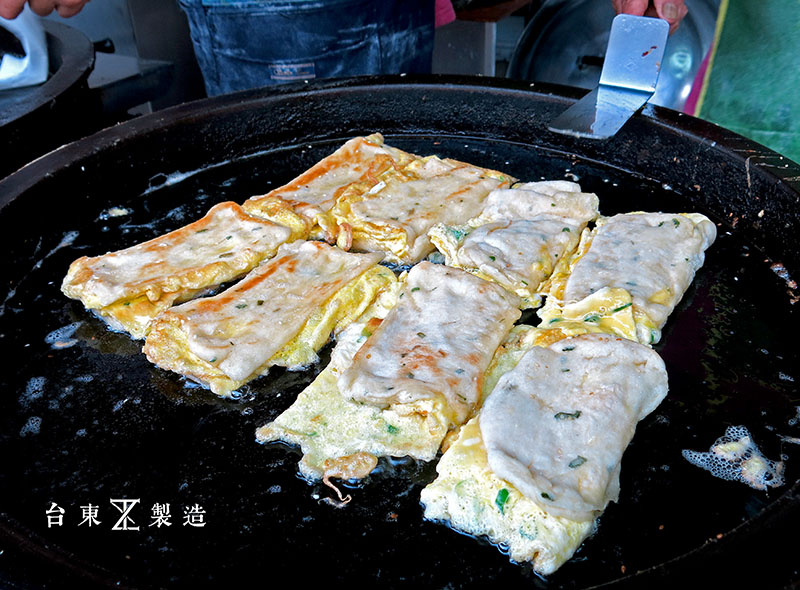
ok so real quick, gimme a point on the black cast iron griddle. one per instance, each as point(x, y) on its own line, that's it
point(87, 420)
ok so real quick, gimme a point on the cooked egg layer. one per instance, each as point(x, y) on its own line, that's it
point(130, 287)
point(307, 292)
point(519, 236)
point(652, 256)
point(335, 433)
point(470, 498)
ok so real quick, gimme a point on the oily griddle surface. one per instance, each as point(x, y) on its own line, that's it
point(86, 419)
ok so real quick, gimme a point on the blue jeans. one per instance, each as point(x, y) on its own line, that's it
point(253, 43)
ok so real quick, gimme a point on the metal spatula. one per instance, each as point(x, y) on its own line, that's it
point(628, 80)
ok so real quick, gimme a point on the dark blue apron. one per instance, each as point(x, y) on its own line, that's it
point(248, 44)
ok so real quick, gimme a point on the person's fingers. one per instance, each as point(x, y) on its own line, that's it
point(671, 11)
point(65, 8)
point(635, 7)
point(42, 7)
point(10, 9)
point(68, 8)
point(651, 11)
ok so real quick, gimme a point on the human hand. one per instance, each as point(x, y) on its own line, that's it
point(671, 11)
point(10, 9)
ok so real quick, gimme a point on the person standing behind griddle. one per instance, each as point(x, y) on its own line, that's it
point(243, 45)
